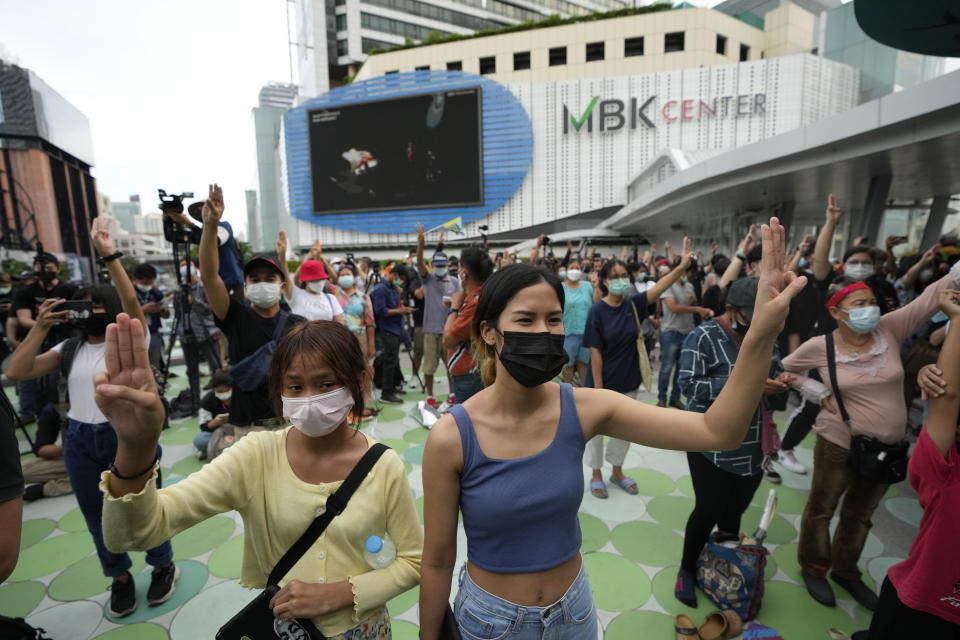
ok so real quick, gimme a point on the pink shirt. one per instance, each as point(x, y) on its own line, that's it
point(872, 383)
point(929, 579)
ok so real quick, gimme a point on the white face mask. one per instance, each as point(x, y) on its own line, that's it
point(5, 290)
point(574, 275)
point(318, 415)
point(224, 396)
point(346, 282)
point(562, 274)
point(264, 294)
point(317, 286)
point(145, 288)
point(858, 271)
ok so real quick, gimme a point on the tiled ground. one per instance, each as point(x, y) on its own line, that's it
point(631, 546)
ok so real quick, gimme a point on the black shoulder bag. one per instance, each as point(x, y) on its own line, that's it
point(873, 459)
point(256, 620)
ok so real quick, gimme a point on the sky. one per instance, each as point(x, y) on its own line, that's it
point(168, 86)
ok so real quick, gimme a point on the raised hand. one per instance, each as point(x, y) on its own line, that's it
point(282, 245)
point(929, 254)
point(777, 286)
point(100, 235)
point(316, 251)
point(931, 384)
point(949, 302)
point(213, 206)
point(421, 232)
point(127, 393)
point(686, 252)
point(749, 241)
point(833, 209)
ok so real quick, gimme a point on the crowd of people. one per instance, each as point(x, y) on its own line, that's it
point(296, 359)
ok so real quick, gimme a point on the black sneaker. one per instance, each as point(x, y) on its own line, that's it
point(161, 584)
point(769, 473)
point(33, 492)
point(819, 589)
point(123, 597)
point(390, 398)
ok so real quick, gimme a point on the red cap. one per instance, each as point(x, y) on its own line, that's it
point(312, 270)
point(663, 261)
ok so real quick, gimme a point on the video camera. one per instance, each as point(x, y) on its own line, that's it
point(173, 231)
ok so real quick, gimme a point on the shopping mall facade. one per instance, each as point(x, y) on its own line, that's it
point(668, 123)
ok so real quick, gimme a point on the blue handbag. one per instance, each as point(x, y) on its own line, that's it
point(731, 574)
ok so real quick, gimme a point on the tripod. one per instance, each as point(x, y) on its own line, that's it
point(181, 315)
point(6, 407)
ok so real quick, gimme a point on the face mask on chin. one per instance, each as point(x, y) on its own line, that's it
point(318, 415)
point(264, 294)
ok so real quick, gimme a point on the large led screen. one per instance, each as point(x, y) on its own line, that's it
point(411, 152)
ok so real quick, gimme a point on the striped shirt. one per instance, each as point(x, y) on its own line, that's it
point(706, 360)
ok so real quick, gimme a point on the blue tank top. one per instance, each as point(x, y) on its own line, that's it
point(521, 515)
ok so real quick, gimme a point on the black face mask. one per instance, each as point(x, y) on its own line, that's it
point(533, 358)
point(47, 276)
point(96, 325)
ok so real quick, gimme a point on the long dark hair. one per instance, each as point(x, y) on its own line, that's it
point(496, 294)
point(323, 340)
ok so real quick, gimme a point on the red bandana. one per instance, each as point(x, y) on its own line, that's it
point(843, 293)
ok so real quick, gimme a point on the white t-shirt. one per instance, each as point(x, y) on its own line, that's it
point(87, 361)
point(323, 306)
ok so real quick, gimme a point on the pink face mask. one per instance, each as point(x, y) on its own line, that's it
point(318, 415)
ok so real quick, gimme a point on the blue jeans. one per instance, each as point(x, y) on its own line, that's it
point(201, 440)
point(483, 616)
point(27, 392)
point(88, 451)
point(155, 350)
point(466, 385)
point(671, 343)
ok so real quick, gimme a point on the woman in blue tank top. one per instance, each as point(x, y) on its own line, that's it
point(510, 458)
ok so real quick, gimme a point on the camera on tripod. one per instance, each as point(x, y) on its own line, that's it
point(173, 231)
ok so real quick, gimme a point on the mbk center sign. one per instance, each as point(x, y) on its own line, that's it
point(615, 114)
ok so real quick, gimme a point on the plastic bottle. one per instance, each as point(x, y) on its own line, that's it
point(379, 551)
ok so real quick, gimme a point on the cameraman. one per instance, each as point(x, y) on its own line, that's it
point(26, 303)
point(228, 251)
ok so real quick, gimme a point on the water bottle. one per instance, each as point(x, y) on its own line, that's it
point(379, 551)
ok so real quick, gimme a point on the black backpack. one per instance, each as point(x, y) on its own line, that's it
point(18, 629)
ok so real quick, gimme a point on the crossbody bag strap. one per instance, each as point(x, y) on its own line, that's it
point(335, 506)
point(832, 370)
point(280, 326)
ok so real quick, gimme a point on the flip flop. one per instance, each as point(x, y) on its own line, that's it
point(598, 489)
point(628, 484)
point(685, 628)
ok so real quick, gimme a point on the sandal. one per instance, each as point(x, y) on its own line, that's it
point(626, 483)
point(598, 489)
point(685, 628)
point(721, 625)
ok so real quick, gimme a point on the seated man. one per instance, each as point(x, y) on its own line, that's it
point(214, 410)
point(46, 475)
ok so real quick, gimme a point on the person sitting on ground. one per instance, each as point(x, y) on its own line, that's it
point(247, 328)
point(315, 300)
point(214, 410)
point(151, 303)
point(278, 480)
point(89, 446)
point(46, 475)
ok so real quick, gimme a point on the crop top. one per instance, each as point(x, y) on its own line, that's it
point(520, 515)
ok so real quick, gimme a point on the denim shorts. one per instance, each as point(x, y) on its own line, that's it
point(576, 352)
point(483, 616)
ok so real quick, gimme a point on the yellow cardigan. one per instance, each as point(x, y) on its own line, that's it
point(254, 477)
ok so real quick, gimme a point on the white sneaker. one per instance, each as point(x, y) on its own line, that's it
point(790, 462)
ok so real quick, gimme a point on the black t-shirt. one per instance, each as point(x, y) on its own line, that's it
point(214, 406)
point(48, 427)
point(414, 282)
point(804, 317)
point(31, 297)
point(11, 475)
point(246, 332)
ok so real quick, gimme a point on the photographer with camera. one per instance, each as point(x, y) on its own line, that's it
point(228, 251)
point(33, 394)
point(198, 332)
point(250, 329)
point(90, 444)
point(151, 303)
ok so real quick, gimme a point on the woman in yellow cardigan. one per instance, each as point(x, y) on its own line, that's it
point(277, 480)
